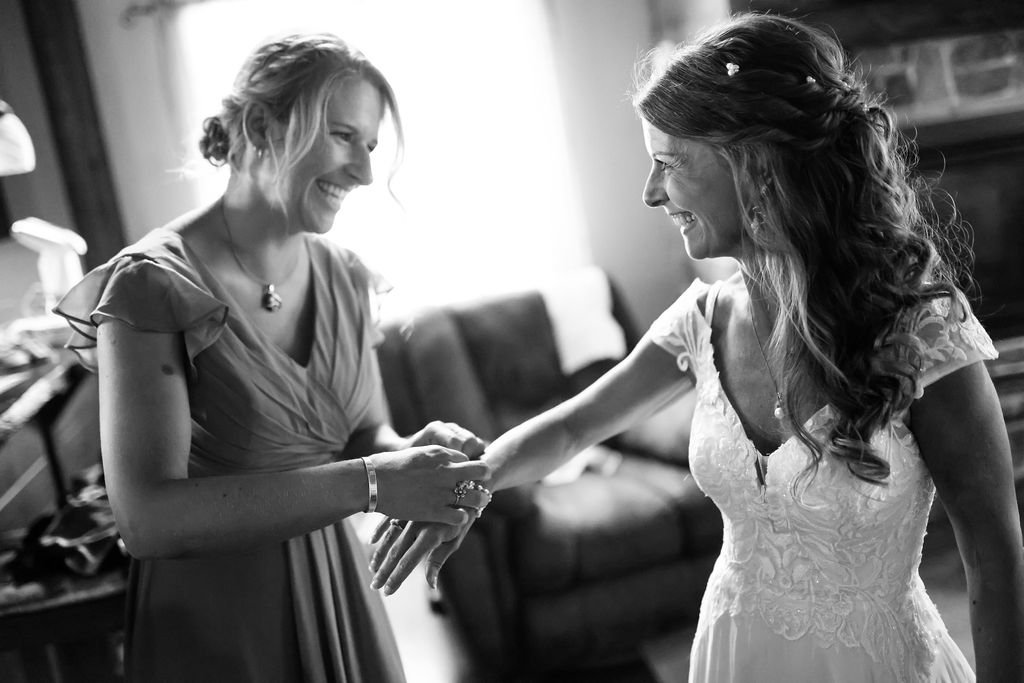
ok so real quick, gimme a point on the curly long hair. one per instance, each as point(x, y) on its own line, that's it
point(845, 239)
point(289, 81)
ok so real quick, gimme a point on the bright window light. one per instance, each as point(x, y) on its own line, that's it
point(488, 202)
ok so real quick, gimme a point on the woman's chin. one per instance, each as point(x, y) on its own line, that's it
point(319, 223)
point(694, 249)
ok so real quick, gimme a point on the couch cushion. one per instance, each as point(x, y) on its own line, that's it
point(428, 375)
point(606, 526)
point(513, 350)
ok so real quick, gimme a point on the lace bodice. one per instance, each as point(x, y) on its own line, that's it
point(838, 560)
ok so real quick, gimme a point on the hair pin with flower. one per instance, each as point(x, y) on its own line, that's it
point(732, 68)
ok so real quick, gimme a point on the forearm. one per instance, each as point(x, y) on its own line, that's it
point(530, 451)
point(187, 517)
point(996, 594)
point(633, 390)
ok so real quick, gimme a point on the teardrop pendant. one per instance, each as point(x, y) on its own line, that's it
point(779, 412)
point(270, 300)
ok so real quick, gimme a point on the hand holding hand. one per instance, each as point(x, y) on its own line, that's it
point(403, 545)
point(422, 483)
point(449, 435)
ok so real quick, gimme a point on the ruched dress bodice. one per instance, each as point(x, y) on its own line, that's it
point(817, 579)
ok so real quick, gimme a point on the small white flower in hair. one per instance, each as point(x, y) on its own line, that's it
point(731, 68)
point(811, 79)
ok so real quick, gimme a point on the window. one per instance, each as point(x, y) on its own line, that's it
point(488, 202)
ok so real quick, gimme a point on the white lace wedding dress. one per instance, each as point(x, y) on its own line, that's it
point(823, 586)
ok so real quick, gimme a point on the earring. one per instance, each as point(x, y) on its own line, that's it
point(755, 219)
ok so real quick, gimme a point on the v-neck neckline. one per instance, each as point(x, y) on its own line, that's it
point(209, 276)
point(808, 424)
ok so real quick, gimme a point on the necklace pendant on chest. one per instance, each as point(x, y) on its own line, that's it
point(270, 300)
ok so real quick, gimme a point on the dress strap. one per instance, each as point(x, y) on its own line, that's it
point(709, 303)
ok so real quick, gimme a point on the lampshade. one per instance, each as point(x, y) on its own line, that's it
point(17, 155)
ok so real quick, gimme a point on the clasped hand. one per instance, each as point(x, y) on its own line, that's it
point(402, 545)
point(446, 448)
point(422, 481)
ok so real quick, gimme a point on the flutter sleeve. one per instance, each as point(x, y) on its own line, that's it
point(147, 294)
point(949, 337)
point(681, 329)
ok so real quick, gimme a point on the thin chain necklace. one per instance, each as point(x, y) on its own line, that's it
point(778, 412)
point(270, 300)
point(760, 461)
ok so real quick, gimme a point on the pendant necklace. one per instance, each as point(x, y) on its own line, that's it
point(270, 300)
point(761, 468)
point(778, 411)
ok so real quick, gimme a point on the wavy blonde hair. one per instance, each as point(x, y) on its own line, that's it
point(845, 240)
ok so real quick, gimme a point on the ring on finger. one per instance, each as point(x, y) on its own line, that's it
point(463, 487)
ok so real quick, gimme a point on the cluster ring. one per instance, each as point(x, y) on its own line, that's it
point(463, 488)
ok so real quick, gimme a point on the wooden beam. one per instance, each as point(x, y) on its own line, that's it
point(59, 53)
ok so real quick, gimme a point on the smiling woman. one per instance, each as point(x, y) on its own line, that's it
point(242, 413)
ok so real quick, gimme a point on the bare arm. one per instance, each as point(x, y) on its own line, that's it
point(633, 390)
point(145, 430)
point(959, 427)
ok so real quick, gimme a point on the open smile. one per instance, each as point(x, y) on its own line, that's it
point(683, 219)
point(335, 192)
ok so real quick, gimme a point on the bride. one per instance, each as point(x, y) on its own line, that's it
point(838, 375)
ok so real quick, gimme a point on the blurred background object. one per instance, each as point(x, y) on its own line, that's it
point(59, 262)
point(17, 155)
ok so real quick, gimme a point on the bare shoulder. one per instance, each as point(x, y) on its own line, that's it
point(732, 296)
point(197, 228)
point(201, 232)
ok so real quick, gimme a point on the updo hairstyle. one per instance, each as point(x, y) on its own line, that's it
point(288, 81)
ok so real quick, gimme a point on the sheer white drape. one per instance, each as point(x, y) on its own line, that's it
point(488, 202)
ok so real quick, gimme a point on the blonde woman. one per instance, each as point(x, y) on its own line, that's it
point(242, 411)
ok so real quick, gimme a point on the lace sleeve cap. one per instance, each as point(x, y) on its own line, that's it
point(950, 337)
point(679, 329)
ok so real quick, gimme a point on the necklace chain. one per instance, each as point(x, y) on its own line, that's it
point(778, 412)
point(270, 300)
point(760, 461)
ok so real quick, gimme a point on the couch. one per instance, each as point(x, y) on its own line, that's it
point(568, 574)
